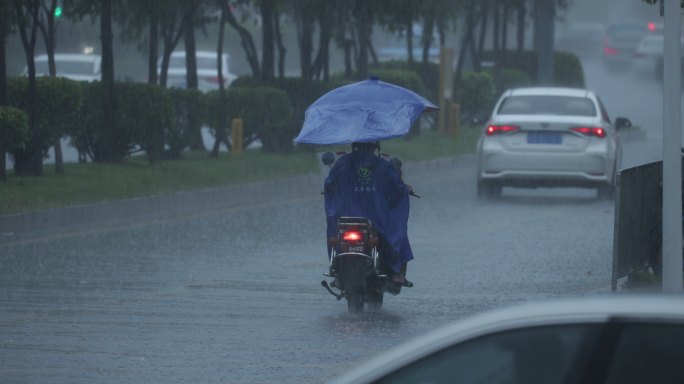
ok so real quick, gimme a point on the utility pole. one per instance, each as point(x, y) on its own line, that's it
point(545, 13)
point(672, 149)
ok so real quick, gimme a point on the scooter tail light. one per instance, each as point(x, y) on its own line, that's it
point(352, 236)
point(498, 129)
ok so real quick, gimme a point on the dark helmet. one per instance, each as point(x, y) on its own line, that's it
point(365, 146)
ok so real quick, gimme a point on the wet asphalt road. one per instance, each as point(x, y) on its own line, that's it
point(233, 296)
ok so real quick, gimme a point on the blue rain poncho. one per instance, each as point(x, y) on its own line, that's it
point(362, 184)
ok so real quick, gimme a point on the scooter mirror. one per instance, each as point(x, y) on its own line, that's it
point(328, 158)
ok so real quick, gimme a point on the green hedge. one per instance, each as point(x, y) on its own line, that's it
point(14, 131)
point(58, 103)
point(568, 69)
point(476, 93)
point(428, 73)
point(190, 107)
point(143, 112)
point(301, 94)
point(266, 112)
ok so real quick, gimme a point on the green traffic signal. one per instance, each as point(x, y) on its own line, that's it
point(58, 11)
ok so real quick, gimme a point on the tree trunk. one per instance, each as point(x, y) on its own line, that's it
point(29, 162)
point(110, 151)
point(322, 62)
point(520, 35)
point(484, 21)
point(364, 32)
point(545, 39)
point(222, 90)
point(496, 39)
point(246, 39)
point(153, 48)
point(268, 41)
point(305, 29)
point(428, 29)
point(409, 41)
point(282, 50)
point(197, 142)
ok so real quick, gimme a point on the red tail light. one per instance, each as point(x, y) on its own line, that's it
point(651, 26)
point(590, 131)
point(496, 129)
point(352, 236)
point(610, 51)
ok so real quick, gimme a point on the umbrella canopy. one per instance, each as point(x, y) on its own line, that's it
point(367, 111)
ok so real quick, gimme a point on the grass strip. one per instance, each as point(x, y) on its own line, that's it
point(84, 183)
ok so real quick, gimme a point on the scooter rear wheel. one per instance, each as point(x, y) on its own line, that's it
point(355, 302)
point(374, 300)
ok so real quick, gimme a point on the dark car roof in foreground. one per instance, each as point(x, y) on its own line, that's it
point(598, 309)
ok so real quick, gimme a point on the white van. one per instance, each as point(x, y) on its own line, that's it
point(207, 75)
point(79, 67)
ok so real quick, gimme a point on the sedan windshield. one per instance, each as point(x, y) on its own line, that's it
point(547, 105)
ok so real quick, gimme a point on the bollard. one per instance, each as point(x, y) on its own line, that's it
point(237, 135)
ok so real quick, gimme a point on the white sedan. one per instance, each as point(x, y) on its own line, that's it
point(549, 137)
point(616, 339)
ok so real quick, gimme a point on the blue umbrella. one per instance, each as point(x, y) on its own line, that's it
point(367, 111)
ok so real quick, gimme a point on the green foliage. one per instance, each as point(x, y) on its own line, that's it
point(512, 78)
point(475, 93)
point(403, 78)
point(428, 73)
point(568, 69)
point(190, 112)
point(13, 129)
point(301, 94)
point(57, 106)
point(266, 112)
point(146, 112)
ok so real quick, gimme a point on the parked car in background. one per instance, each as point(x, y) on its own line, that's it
point(207, 73)
point(620, 41)
point(610, 340)
point(548, 137)
point(81, 67)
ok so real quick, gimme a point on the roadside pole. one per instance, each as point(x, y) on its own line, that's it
point(672, 150)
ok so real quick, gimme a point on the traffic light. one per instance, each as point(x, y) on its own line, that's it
point(58, 11)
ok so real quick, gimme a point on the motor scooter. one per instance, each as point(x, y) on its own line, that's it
point(356, 262)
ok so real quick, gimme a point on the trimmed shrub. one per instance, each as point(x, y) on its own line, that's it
point(266, 112)
point(143, 111)
point(146, 112)
point(58, 102)
point(190, 113)
point(14, 131)
point(428, 73)
point(568, 69)
point(475, 93)
point(301, 94)
point(512, 78)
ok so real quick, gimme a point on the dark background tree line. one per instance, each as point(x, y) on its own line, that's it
point(157, 27)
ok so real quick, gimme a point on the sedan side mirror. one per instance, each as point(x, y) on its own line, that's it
point(622, 122)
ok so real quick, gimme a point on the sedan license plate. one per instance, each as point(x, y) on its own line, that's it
point(544, 138)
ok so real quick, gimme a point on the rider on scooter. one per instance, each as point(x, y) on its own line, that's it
point(363, 184)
